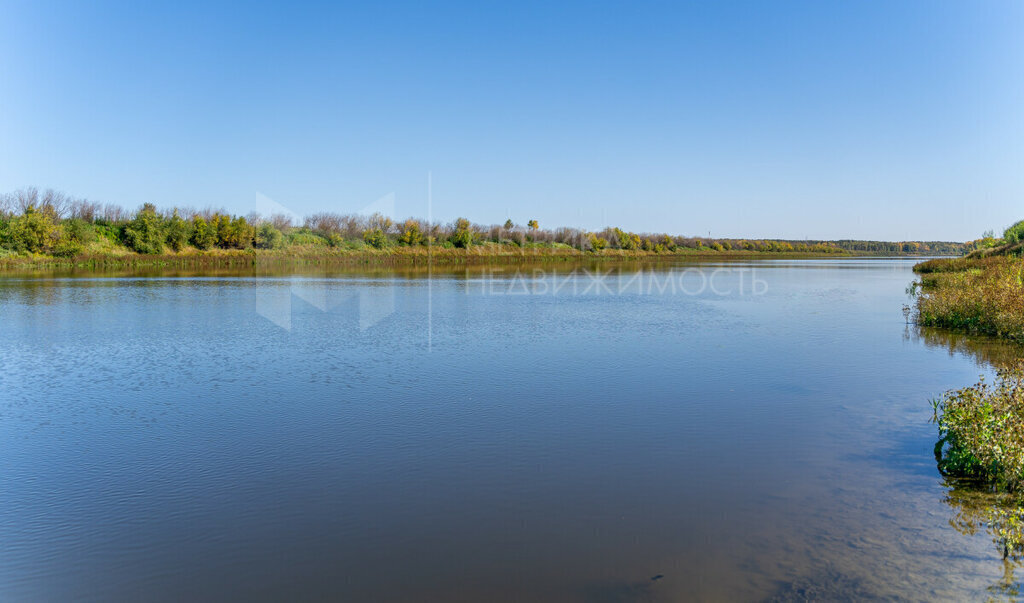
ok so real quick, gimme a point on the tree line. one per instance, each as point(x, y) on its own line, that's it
point(51, 223)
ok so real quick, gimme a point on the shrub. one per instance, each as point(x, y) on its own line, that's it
point(268, 237)
point(305, 237)
point(986, 296)
point(67, 248)
point(78, 230)
point(376, 238)
point(33, 231)
point(178, 232)
point(411, 234)
point(145, 233)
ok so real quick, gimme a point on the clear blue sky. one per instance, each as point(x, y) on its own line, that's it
point(877, 119)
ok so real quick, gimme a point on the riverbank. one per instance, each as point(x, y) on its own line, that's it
point(982, 295)
point(398, 256)
point(981, 427)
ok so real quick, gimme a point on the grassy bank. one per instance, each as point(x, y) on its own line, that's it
point(314, 256)
point(975, 295)
point(981, 427)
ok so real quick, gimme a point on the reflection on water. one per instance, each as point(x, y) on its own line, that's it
point(987, 351)
point(165, 439)
point(977, 509)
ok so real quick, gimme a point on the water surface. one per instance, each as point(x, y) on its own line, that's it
point(744, 430)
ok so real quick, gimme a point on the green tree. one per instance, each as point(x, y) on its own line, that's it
point(178, 232)
point(533, 224)
point(145, 233)
point(234, 233)
point(268, 237)
point(627, 240)
point(1015, 233)
point(204, 236)
point(463, 234)
point(509, 225)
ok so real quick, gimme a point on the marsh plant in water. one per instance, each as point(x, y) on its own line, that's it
point(981, 449)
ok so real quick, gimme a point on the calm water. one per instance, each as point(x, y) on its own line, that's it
point(480, 437)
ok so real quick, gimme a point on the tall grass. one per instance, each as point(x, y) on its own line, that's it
point(983, 296)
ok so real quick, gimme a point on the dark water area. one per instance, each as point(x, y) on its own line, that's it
point(750, 430)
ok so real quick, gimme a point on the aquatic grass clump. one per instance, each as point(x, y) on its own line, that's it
point(981, 431)
point(981, 443)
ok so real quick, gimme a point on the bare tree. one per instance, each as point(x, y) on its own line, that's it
point(84, 209)
point(208, 212)
point(26, 198)
point(282, 222)
point(379, 220)
point(55, 202)
point(6, 205)
point(113, 213)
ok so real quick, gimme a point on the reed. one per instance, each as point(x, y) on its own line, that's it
point(984, 296)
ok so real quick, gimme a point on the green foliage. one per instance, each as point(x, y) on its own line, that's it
point(335, 240)
point(268, 237)
point(462, 237)
point(178, 232)
point(411, 234)
point(983, 295)
point(204, 235)
point(981, 431)
point(234, 233)
point(67, 248)
point(145, 233)
point(34, 231)
point(981, 439)
point(597, 243)
point(533, 224)
point(627, 240)
point(509, 225)
point(79, 231)
point(1015, 233)
point(304, 236)
point(376, 238)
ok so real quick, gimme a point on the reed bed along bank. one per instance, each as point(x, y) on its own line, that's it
point(395, 256)
point(983, 295)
